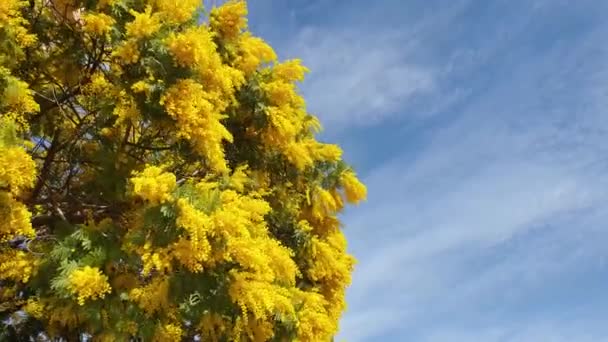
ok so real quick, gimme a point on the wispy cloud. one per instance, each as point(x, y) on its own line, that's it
point(501, 204)
point(358, 77)
point(367, 68)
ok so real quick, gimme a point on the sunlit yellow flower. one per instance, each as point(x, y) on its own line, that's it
point(143, 25)
point(88, 283)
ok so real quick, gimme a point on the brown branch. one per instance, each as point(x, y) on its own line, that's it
point(151, 148)
point(46, 166)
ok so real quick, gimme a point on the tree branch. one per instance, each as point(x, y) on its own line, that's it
point(46, 166)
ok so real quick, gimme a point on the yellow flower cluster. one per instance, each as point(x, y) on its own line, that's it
point(330, 262)
point(315, 321)
point(10, 9)
point(60, 314)
point(99, 85)
point(126, 109)
point(281, 93)
point(154, 185)
point(290, 71)
point(142, 87)
point(15, 218)
point(17, 100)
point(194, 48)
point(241, 215)
point(17, 266)
point(176, 12)
point(88, 283)
point(229, 19)
point(239, 178)
point(17, 174)
point(18, 170)
point(158, 259)
point(128, 51)
point(12, 21)
point(261, 299)
point(34, 308)
point(18, 96)
point(251, 329)
point(198, 120)
point(97, 24)
point(304, 152)
point(265, 258)
point(252, 52)
point(325, 203)
point(168, 333)
point(291, 128)
point(212, 326)
point(354, 190)
point(194, 250)
point(152, 297)
point(143, 25)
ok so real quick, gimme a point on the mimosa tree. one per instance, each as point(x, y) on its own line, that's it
point(160, 179)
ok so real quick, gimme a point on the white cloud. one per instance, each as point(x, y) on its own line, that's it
point(500, 206)
point(367, 68)
point(414, 253)
point(358, 77)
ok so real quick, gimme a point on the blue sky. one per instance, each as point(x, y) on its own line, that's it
point(480, 130)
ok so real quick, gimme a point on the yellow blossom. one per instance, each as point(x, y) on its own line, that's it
point(18, 170)
point(154, 185)
point(168, 333)
point(10, 8)
point(126, 109)
point(152, 297)
point(315, 323)
point(97, 23)
point(229, 19)
point(128, 51)
point(330, 263)
point(99, 85)
point(212, 326)
point(323, 203)
point(253, 51)
point(12, 21)
point(15, 218)
point(158, 259)
point(144, 24)
point(281, 93)
point(198, 120)
point(142, 87)
point(18, 97)
point(326, 152)
point(260, 298)
point(193, 254)
point(194, 48)
point(17, 265)
point(298, 154)
point(354, 190)
point(34, 308)
point(239, 178)
point(88, 283)
point(290, 71)
point(177, 12)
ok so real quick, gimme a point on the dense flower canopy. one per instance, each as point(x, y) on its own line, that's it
point(161, 179)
